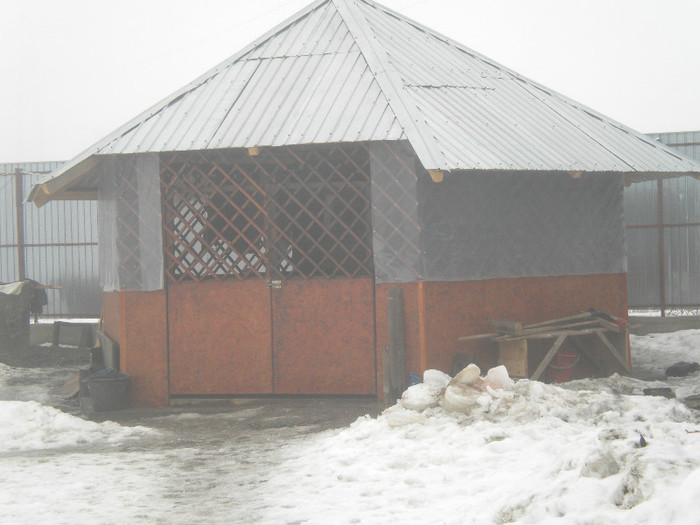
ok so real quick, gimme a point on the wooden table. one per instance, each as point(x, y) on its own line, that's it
point(595, 335)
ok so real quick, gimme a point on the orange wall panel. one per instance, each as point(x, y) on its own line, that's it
point(220, 339)
point(437, 316)
point(143, 346)
point(323, 337)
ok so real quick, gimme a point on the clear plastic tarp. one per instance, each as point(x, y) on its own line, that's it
point(130, 223)
point(469, 226)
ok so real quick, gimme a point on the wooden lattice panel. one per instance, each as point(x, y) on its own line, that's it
point(287, 213)
point(319, 215)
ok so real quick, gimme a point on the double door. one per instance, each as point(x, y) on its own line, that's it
point(241, 337)
point(269, 267)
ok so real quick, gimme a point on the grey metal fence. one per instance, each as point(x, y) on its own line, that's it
point(663, 238)
point(55, 245)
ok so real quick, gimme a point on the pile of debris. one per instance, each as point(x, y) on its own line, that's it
point(463, 393)
point(17, 301)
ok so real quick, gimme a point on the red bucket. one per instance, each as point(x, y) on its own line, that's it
point(561, 367)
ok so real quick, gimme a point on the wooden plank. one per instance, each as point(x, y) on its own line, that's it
point(69, 389)
point(624, 367)
point(396, 363)
point(564, 327)
point(613, 327)
point(506, 327)
point(549, 335)
point(582, 315)
point(513, 355)
point(478, 336)
point(548, 357)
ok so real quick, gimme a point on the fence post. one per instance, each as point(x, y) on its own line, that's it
point(662, 271)
point(19, 202)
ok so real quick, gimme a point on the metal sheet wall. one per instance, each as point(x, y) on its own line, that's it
point(663, 237)
point(60, 243)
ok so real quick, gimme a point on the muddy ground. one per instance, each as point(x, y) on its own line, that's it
point(55, 366)
point(45, 357)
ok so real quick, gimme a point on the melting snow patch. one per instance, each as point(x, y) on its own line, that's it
point(487, 449)
point(28, 425)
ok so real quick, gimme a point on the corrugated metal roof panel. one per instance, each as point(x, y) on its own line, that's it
point(484, 116)
point(309, 83)
point(320, 31)
point(352, 70)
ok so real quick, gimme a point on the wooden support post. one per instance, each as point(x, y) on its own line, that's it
point(588, 353)
point(395, 361)
point(547, 358)
point(620, 362)
point(660, 224)
point(513, 355)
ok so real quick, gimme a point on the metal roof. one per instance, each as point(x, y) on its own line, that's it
point(353, 70)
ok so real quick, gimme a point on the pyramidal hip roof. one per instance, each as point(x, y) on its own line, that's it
point(353, 70)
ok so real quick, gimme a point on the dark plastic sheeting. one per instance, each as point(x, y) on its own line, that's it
point(487, 225)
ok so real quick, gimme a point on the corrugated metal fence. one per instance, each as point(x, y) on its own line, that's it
point(663, 237)
point(55, 245)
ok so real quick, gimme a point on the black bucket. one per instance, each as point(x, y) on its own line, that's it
point(109, 390)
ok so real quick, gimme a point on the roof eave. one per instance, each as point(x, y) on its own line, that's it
point(57, 187)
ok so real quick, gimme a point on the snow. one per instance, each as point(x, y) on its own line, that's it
point(28, 425)
point(523, 452)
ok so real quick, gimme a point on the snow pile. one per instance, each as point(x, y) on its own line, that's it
point(474, 449)
point(28, 425)
point(656, 352)
point(466, 393)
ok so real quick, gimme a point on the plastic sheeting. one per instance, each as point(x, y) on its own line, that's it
point(130, 224)
point(470, 226)
point(483, 225)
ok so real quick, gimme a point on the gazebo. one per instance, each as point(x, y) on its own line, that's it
point(256, 224)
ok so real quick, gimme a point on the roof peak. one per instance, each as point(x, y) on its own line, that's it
point(355, 70)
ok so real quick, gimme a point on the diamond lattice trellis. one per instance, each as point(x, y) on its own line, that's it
point(298, 212)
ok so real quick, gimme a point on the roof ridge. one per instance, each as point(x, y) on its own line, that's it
point(518, 76)
point(388, 82)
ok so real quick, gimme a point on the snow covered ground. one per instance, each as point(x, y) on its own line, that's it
point(590, 452)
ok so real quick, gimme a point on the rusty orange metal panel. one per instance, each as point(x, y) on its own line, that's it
point(143, 346)
point(453, 309)
point(469, 307)
point(220, 338)
point(323, 337)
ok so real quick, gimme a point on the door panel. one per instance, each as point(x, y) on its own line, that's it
point(323, 337)
point(220, 337)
